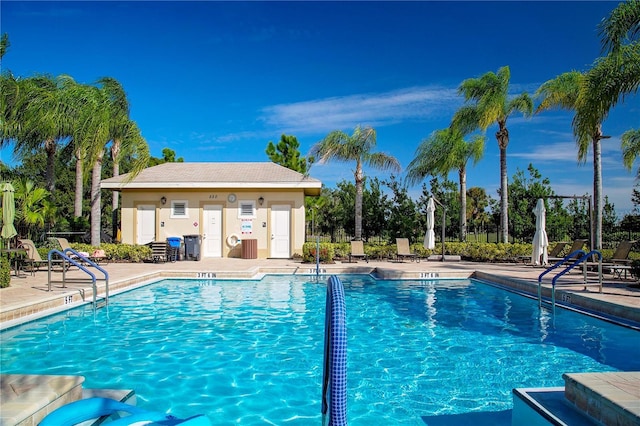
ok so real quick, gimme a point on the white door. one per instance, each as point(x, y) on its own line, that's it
point(280, 231)
point(146, 225)
point(212, 231)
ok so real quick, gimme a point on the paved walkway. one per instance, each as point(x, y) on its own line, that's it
point(30, 295)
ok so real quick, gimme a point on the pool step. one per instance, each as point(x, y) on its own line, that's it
point(586, 399)
point(610, 398)
point(27, 399)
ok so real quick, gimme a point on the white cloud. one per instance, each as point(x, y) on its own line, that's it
point(378, 109)
point(561, 151)
point(568, 151)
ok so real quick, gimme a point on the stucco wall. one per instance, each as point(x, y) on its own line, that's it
point(166, 226)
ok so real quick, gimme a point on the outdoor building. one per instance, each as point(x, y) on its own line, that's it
point(222, 203)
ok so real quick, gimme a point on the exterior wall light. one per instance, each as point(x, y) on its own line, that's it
point(261, 200)
point(163, 200)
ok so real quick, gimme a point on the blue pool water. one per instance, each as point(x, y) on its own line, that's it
point(250, 352)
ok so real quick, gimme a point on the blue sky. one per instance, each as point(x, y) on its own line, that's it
point(216, 81)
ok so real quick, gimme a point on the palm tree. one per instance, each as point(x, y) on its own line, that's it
point(593, 93)
point(126, 140)
point(491, 104)
point(41, 117)
point(339, 146)
point(113, 125)
point(89, 129)
point(131, 145)
point(617, 74)
point(564, 92)
point(443, 151)
point(33, 208)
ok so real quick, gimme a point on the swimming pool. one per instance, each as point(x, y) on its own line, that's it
point(250, 352)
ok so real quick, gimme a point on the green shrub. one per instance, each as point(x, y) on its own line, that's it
point(327, 253)
point(5, 272)
point(113, 252)
point(471, 251)
point(118, 252)
point(635, 269)
point(380, 251)
point(341, 250)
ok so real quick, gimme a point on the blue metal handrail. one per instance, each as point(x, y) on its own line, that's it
point(579, 257)
point(551, 268)
point(334, 380)
point(66, 258)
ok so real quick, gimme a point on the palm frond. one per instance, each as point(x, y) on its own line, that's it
point(560, 92)
point(332, 147)
point(444, 150)
point(382, 161)
point(522, 103)
point(623, 24)
point(466, 119)
point(630, 145)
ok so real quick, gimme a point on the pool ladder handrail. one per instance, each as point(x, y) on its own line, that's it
point(73, 261)
point(580, 258)
point(334, 374)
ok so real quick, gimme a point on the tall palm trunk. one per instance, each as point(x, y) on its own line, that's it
point(358, 207)
point(597, 190)
point(50, 147)
point(96, 199)
point(77, 203)
point(462, 174)
point(115, 202)
point(502, 135)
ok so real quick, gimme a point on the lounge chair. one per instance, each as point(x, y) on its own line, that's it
point(557, 249)
point(64, 244)
point(621, 255)
point(619, 261)
point(357, 250)
point(404, 250)
point(33, 260)
point(575, 246)
point(554, 253)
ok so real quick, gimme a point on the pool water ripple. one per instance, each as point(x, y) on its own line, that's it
point(250, 352)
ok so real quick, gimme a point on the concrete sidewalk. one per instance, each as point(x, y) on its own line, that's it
point(30, 296)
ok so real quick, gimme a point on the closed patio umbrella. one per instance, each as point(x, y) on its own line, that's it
point(540, 240)
point(430, 236)
point(8, 211)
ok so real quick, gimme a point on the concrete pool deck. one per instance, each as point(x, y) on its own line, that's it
point(29, 298)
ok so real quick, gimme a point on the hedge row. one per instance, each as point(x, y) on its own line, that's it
point(113, 252)
point(470, 251)
point(330, 252)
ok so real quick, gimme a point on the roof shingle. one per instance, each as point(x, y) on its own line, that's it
point(215, 175)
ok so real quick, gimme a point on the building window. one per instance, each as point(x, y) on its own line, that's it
point(179, 209)
point(247, 209)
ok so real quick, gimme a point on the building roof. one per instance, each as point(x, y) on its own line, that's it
point(215, 175)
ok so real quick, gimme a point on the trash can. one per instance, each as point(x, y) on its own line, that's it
point(174, 244)
point(192, 247)
point(250, 249)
